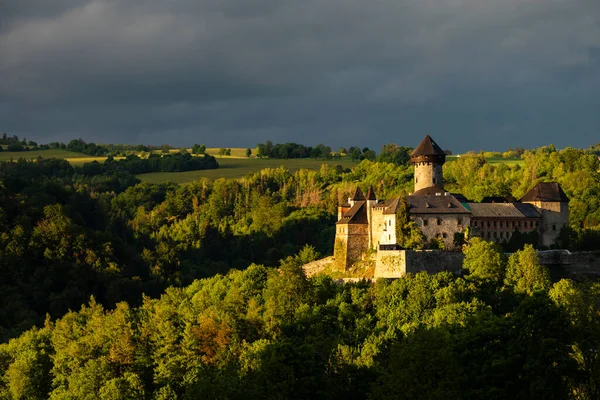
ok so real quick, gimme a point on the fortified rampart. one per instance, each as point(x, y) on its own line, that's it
point(561, 263)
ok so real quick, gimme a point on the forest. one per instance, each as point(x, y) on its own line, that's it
point(114, 289)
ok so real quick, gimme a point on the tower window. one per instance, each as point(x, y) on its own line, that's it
point(553, 227)
point(424, 222)
point(434, 180)
point(459, 221)
point(439, 221)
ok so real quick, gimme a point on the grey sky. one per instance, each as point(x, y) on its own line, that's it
point(475, 74)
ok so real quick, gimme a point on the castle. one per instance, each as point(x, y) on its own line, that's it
point(366, 223)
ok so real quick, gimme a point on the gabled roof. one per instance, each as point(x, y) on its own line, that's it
point(502, 210)
point(355, 215)
point(435, 204)
point(428, 147)
point(392, 206)
point(358, 195)
point(546, 191)
point(371, 193)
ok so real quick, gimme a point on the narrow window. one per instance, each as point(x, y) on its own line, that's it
point(459, 221)
point(444, 235)
point(424, 222)
point(439, 221)
point(553, 227)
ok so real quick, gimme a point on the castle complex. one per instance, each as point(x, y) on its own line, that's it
point(366, 223)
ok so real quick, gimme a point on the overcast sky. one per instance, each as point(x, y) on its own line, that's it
point(475, 74)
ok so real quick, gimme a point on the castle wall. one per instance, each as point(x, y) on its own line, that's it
point(442, 226)
point(377, 226)
point(555, 216)
point(351, 242)
point(561, 263)
point(397, 263)
point(428, 174)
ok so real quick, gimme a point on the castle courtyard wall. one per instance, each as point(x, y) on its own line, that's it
point(561, 263)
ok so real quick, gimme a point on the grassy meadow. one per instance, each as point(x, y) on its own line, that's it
point(76, 159)
point(235, 166)
point(232, 167)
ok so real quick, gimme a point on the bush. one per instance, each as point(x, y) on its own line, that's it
point(16, 147)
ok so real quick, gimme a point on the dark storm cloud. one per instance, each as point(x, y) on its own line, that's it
point(476, 74)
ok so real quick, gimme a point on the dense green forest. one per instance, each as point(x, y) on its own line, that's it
point(502, 332)
point(70, 233)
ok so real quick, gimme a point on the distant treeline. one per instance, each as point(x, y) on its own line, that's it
point(295, 150)
point(175, 162)
point(93, 149)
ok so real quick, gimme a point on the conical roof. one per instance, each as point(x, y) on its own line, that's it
point(358, 195)
point(428, 147)
point(371, 193)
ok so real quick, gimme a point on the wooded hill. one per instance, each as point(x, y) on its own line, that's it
point(68, 234)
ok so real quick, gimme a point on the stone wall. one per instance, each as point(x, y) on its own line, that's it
point(561, 263)
point(397, 263)
point(390, 264)
point(443, 226)
point(351, 242)
point(555, 216)
point(428, 174)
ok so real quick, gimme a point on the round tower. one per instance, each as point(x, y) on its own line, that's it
point(428, 159)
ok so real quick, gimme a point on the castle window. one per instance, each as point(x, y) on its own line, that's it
point(434, 180)
point(553, 227)
point(390, 222)
point(424, 222)
point(494, 224)
point(389, 237)
point(459, 221)
point(488, 224)
point(444, 235)
point(519, 223)
point(439, 221)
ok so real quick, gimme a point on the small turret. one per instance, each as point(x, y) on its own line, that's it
point(358, 196)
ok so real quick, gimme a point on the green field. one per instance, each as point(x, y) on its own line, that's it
point(494, 160)
point(508, 161)
point(76, 159)
point(234, 168)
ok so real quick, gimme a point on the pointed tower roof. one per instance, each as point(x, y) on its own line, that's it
point(371, 193)
point(358, 195)
point(428, 147)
